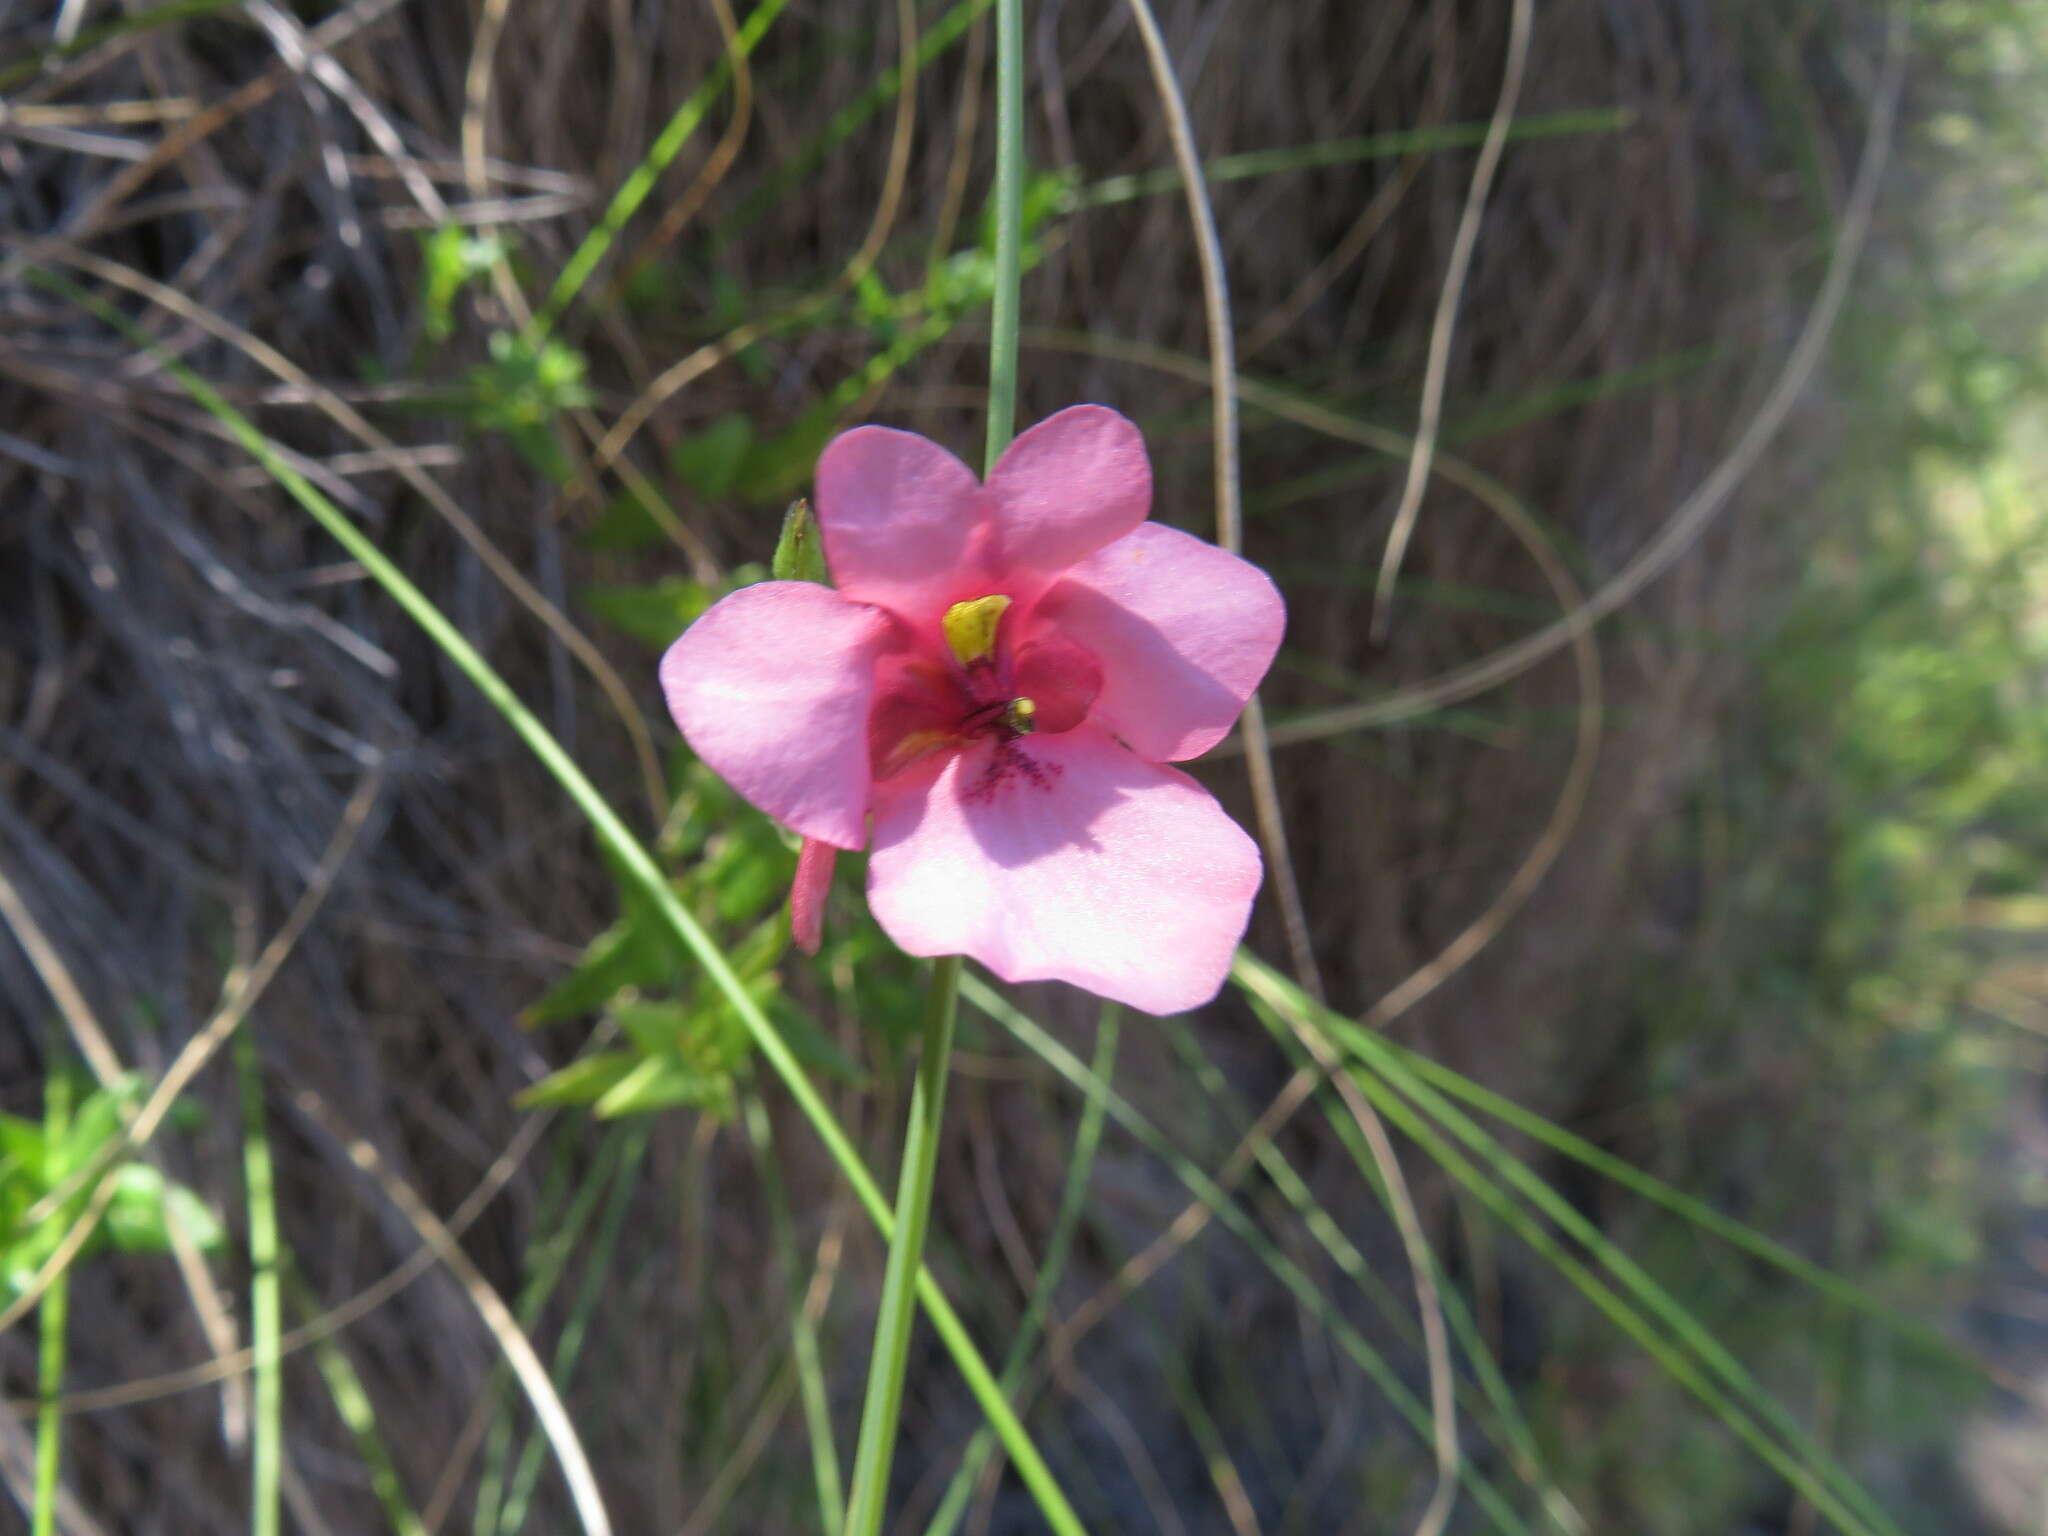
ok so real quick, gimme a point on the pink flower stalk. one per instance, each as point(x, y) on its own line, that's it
point(999, 680)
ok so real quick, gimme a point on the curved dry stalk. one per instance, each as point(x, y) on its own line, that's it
point(1708, 499)
point(530, 597)
point(476, 102)
point(1436, 369)
point(490, 1307)
point(1229, 506)
point(965, 126)
point(1276, 322)
point(48, 964)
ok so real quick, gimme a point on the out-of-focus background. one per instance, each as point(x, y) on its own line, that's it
point(1741, 885)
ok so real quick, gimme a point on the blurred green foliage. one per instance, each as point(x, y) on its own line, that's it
point(45, 1188)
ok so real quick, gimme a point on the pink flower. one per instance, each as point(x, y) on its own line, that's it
point(998, 681)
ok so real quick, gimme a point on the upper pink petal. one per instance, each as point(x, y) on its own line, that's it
point(771, 687)
point(903, 522)
point(1073, 483)
point(1184, 631)
point(1092, 867)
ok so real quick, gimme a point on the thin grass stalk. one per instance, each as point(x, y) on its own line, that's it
point(353, 1407)
point(266, 1428)
point(636, 865)
point(51, 1319)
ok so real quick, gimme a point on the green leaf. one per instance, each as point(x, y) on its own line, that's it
point(97, 1122)
point(798, 554)
point(451, 258)
point(139, 1215)
point(662, 1082)
point(627, 954)
point(653, 614)
point(22, 1153)
point(709, 463)
point(583, 1081)
point(655, 1026)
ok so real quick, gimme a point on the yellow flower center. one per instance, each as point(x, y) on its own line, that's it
point(971, 628)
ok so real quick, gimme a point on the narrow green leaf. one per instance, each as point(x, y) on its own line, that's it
point(583, 1081)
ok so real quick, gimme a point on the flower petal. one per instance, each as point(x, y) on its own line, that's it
point(1184, 631)
point(1089, 865)
point(902, 521)
point(1073, 483)
point(772, 688)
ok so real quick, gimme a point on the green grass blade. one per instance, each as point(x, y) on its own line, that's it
point(1232, 1217)
point(266, 1427)
point(167, 13)
point(1689, 1207)
point(353, 1406)
point(632, 859)
point(1066, 1221)
point(932, 41)
point(1326, 152)
point(1494, 1409)
point(640, 180)
point(1809, 1466)
point(880, 1414)
point(882, 1411)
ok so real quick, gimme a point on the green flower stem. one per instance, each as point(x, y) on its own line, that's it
point(636, 865)
point(1002, 340)
point(883, 1409)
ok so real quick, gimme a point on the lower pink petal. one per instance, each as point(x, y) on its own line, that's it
point(1184, 631)
point(771, 687)
point(1065, 858)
